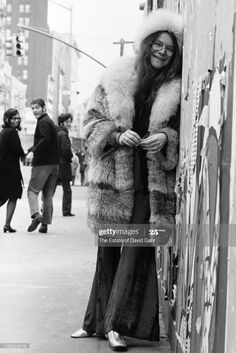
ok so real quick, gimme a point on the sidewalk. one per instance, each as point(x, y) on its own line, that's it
point(45, 280)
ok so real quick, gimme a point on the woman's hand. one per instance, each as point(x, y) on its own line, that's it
point(129, 138)
point(154, 143)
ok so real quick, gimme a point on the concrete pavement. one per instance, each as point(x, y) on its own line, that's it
point(45, 280)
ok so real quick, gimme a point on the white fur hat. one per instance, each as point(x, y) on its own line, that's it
point(161, 20)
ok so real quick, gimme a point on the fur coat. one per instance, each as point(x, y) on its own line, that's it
point(10, 173)
point(111, 108)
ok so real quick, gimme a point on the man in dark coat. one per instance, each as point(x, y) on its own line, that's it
point(45, 160)
point(65, 157)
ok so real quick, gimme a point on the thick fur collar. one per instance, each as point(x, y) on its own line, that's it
point(120, 81)
point(165, 105)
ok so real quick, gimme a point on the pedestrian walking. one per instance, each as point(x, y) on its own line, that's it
point(65, 157)
point(11, 152)
point(74, 167)
point(45, 165)
point(131, 126)
point(86, 162)
point(82, 167)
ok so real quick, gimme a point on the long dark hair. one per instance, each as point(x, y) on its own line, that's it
point(8, 115)
point(151, 79)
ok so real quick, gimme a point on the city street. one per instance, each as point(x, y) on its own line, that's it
point(45, 281)
point(142, 92)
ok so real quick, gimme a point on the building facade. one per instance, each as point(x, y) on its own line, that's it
point(61, 82)
point(198, 270)
point(12, 90)
point(34, 68)
point(4, 94)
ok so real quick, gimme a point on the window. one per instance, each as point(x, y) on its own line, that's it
point(26, 33)
point(19, 60)
point(8, 20)
point(27, 8)
point(8, 32)
point(21, 21)
point(25, 74)
point(21, 8)
point(9, 7)
point(27, 21)
point(26, 60)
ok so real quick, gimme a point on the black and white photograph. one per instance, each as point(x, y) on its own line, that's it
point(117, 176)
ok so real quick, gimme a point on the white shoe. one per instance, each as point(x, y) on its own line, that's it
point(81, 333)
point(116, 341)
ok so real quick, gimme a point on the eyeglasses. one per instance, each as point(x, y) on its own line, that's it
point(16, 118)
point(158, 46)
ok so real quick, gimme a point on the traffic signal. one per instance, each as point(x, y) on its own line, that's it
point(10, 46)
point(15, 45)
point(19, 44)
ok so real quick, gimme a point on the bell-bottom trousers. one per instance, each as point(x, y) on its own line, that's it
point(124, 295)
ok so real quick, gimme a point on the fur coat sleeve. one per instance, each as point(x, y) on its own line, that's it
point(97, 125)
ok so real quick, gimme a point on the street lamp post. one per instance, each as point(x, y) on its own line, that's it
point(71, 15)
point(60, 95)
point(46, 34)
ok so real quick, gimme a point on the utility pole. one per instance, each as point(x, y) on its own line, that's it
point(122, 43)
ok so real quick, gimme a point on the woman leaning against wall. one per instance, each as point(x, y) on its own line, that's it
point(131, 128)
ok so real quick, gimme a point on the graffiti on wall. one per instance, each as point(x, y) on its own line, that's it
point(190, 269)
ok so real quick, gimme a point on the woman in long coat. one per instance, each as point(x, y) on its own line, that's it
point(10, 174)
point(131, 127)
